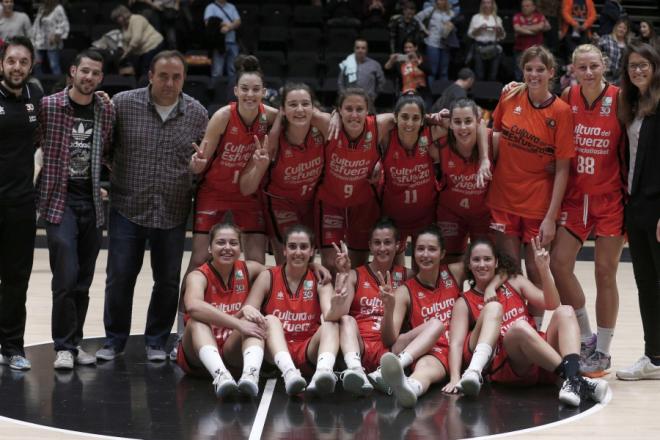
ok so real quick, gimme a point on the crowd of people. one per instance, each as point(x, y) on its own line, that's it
point(472, 200)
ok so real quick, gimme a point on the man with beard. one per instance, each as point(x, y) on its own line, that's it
point(75, 128)
point(18, 122)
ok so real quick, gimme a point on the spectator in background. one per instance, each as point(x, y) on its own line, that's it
point(436, 23)
point(49, 30)
point(609, 14)
point(344, 13)
point(13, 23)
point(647, 34)
point(578, 17)
point(358, 70)
point(162, 14)
point(455, 91)
point(551, 10)
point(529, 26)
point(141, 40)
point(412, 70)
point(374, 14)
point(230, 21)
point(404, 27)
point(613, 45)
point(455, 5)
point(486, 29)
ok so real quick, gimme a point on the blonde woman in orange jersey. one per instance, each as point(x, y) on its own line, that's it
point(593, 204)
point(533, 131)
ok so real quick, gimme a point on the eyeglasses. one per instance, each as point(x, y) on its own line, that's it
point(643, 67)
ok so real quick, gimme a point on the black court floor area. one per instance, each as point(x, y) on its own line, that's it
point(133, 398)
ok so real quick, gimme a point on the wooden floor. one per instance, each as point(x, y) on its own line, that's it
point(632, 413)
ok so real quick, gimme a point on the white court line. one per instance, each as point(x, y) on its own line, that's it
point(593, 410)
point(262, 411)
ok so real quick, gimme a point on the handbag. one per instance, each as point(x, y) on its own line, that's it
point(488, 51)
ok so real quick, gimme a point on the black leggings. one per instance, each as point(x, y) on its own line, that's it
point(645, 253)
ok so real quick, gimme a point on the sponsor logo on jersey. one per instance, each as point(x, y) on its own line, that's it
point(366, 285)
point(420, 294)
point(517, 110)
point(499, 227)
point(283, 217)
point(606, 106)
point(397, 276)
point(234, 130)
point(239, 288)
point(288, 153)
point(239, 274)
point(29, 107)
point(280, 295)
point(563, 217)
point(333, 221)
point(2, 110)
point(449, 229)
point(451, 164)
point(574, 109)
point(308, 284)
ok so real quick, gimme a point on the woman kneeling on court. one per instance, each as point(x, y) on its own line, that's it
point(291, 299)
point(429, 295)
point(215, 293)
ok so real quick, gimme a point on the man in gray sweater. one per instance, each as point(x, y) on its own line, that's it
point(358, 70)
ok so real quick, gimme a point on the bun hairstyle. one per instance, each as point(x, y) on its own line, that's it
point(410, 97)
point(247, 64)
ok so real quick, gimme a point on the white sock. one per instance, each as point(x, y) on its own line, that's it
point(283, 361)
point(583, 321)
point(405, 359)
point(538, 320)
point(604, 339)
point(416, 386)
point(325, 360)
point(352, 360)
point(253, 357)
point(480, 357)
point(211, 360)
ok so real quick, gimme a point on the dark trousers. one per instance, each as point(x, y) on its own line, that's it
point(17, 229)
point(126, 245)
point(645, 253)
point(73, 246)
point(492, 66)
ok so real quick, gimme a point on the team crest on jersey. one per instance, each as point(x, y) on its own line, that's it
point(308, 284)
point(317, 136)
point(367, 140)
point(397, 276)
point(517, 110)
point(507, 293)
point(239, 288)
point(423, 145)
point(239, 274)
point(550, 122)
point(280, 295)
point(308, 294)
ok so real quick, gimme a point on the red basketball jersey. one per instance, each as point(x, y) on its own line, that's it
point(367, 307)
point(348, 165)
point(459, 192)
point(599, 143)
point(475, 303)
point(227, 298)
point(514, 307)
point(299, 310)
point(232, 155)
point(297, 168)
point(432, 302)
point(409, 176)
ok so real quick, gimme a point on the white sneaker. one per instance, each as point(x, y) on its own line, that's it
point(470, 382)
point(569, 394)
point(376, 379)
point(355, 382)
point(323, 382)
point(595, 389)
point(249, 382)
point(294, 383)
point(224, 385)
point(84, 358)
point(642, 369)
point(395, 378)
point(63, 360)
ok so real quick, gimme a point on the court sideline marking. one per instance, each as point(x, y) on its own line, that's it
point(262, 411)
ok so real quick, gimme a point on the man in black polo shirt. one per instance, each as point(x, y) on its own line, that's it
point(18, 123)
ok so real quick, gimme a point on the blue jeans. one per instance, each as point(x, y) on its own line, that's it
point(53, 61)
point(73, 246)
point(438, 59)
point(126, 245)
point(220, 60)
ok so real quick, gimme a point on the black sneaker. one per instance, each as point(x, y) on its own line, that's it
point(569, 394)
